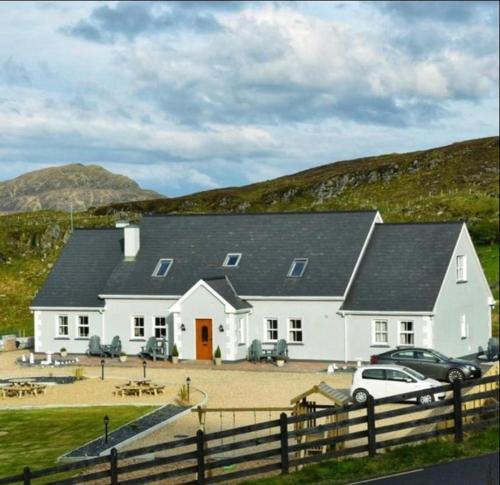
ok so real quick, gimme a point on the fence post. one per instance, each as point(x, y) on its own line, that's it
point(370, 424)
point(284, 442)
point(27, 475)
point(200, 457)
point(457, 411)
point(113, 460)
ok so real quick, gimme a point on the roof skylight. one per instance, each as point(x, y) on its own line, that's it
point(232, 260)
point(163, 267)
point(298, 267)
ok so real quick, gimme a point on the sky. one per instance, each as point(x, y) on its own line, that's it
point(194, 95)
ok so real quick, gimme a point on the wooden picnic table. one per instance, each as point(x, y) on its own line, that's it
point(138, 388)
point(23, 388)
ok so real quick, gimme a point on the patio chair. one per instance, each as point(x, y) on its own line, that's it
point(148, 350)
point(95, 347)
point(255, 351)
point(114, 349)
point(161, 349)
point(280, 350)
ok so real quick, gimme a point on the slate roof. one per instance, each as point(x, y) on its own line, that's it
point(223, 287)
point(403, 267)
point(198, 244)
point(82, 269)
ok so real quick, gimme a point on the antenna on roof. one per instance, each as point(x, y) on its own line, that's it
point(71, 214)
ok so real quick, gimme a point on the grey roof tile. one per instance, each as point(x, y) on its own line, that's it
point(198, 244)
point(223, 287)
point(82, 269)
point(403, 267)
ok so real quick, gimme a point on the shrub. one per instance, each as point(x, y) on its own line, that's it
point(63, 349)
point(217, 353)
point(175, 352)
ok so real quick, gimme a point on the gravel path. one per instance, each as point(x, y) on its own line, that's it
point(125, 433)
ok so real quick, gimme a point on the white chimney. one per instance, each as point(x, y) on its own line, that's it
point(132, 242)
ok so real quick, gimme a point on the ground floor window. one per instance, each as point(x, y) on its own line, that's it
point(295, 330)
point(138, 327)
point(271, 329)
point(380, 332)
point(62, 326)
point(406, 333)
point(242, 331)
point(83, 329)
point(160, 327)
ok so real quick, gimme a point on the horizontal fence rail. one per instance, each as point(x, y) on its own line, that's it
point(205, 458)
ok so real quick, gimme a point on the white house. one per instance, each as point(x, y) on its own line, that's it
point(336, 285)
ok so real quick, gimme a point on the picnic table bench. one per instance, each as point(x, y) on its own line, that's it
point(138, 388)
point(22, 388)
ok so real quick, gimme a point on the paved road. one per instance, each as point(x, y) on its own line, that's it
point(480, 470)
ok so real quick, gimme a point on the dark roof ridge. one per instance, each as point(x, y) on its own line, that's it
point(367, 211)
point(210, 278)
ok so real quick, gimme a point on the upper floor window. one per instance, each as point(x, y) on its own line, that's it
point(298, 267)
point(461, 267)
point(163, 267)
point(232, 260)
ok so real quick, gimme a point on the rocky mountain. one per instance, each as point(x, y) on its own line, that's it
point(57, 187)
point(458, 181)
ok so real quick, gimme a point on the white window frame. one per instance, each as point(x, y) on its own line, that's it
point(58, 333)
point(133, 327)
point(266, 335)
point(406, 332)
point(156, 327)
point(300, 330)
point(375, 332)
point(80, 326)
point(461, 263)
point(230, 255)
point(292, 267)
point(158, 266)
point(242, 330)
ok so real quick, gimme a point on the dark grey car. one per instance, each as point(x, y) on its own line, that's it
point(431, 363)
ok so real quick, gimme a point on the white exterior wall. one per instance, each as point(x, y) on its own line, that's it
point(203, 304)
point(468, 298)
point(322, 327)
point(361, 339)
point(47, 340)
point(119, 315)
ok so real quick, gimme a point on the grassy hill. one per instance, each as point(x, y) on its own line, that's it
point(459, 181)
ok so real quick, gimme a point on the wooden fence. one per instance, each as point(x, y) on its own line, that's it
point(207, 458)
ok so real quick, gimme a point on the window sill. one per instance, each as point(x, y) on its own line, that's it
point(81, 338)
point(137, 340)
point(381, 346)
point(461, 282)
point(242, 345)
point(62, 338)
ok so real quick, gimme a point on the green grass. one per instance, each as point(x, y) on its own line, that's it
point(36, 438)
point(394, 461)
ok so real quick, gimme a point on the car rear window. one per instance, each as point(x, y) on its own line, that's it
point(405, 354)
point(374, 374)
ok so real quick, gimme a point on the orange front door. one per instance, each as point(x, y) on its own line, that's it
point(203, 339)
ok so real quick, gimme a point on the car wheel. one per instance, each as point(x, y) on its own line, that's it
point(425, 399)
point(360, 396)
point(455, 375)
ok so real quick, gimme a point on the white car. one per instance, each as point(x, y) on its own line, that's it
point(390, 380)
